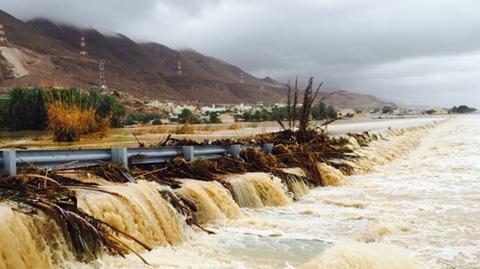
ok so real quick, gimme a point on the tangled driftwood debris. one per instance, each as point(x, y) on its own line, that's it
point(87, 236)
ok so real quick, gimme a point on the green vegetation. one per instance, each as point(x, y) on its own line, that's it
point(213, 117)
point(322, 111)
point(157, 122)
point(462, 109)
point(141, 117)
point(69, 121)
point(187, 116)
point(25, 110)
point(319, 112)
point(256, 116)
point(387, 110)
point(430, 111)
point(28, 108)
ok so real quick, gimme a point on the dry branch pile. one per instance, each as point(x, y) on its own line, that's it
point(87, 236)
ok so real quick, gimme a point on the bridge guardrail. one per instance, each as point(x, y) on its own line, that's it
point(11, 159)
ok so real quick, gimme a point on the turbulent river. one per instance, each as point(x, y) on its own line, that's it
point(420, 209)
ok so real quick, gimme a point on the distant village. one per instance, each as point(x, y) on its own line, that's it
point(230, 113)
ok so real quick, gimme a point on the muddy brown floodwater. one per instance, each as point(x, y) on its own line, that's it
point(417, 205)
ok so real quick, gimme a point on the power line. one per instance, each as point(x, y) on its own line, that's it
point(101, 72)
point(83, 46)
point(179, 68)
point(3, 34)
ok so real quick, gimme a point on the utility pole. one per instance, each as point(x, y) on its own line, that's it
point(179, 68)
point(3, 34)
point(83, 47)
point(101, 72)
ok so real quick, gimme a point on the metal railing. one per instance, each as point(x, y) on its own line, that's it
point(11, 160)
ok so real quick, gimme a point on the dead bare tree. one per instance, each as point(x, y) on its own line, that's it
point(308, 99)
point(289, 105)
point(295, 103)
point(301, 112)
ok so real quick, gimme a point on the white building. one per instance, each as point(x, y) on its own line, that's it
point(208, 109)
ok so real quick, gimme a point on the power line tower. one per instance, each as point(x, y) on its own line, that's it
point(101, 72)
point(242, 77)
point(83, 47)
point(179, 68)
point(3, 34)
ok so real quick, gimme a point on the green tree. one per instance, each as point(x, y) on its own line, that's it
point(247, 116)
point(141, 117)
point(319, 111)
point(330, 112)
point(187, 116)
point(280, 113)
point(462, 109)
point(108, 105)
point(213, 117)
point(387, 109)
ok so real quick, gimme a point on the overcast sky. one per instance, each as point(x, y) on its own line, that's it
point(409, 51)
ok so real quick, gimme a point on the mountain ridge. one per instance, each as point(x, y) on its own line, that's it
point(50, 53)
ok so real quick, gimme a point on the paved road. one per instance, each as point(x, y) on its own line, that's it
point(379, 124)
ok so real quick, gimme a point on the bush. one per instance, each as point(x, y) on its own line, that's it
point(128, 122)
point(108, 106)
point(387, 109)
point(331, 113)
point(319, 112)
point(26, 109)
point(462, 109)
point(3, 124)
point(322, 112)
point(70, 121)
point(187, 116)
point(157, 122)
point(213, 117)
point(256, 116)
point(141, 117)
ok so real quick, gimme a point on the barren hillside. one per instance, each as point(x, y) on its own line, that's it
point(42, 53)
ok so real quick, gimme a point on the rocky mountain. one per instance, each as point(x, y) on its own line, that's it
point(346, 99)
point(42, 53)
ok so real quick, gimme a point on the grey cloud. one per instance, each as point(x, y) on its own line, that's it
point(412, 51)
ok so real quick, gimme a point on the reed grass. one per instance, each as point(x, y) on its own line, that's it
point(68, 121)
